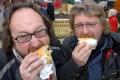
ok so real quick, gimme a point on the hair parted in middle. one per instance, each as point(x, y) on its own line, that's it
point(7, 42)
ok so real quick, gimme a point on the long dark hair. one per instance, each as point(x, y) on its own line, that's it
point(7, 42)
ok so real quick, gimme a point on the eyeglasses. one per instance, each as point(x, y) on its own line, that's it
point(88, 25)
point(27, 37)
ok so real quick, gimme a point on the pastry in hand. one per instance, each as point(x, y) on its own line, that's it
point(89, 41)
point(45, 52)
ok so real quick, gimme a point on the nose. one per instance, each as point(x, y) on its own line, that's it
point(85, 30)
point(34, 42)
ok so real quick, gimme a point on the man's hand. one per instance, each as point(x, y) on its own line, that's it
point(81, 53)
point(31, 66)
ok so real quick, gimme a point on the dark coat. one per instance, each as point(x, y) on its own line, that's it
point(69, 70)
point(9, 64)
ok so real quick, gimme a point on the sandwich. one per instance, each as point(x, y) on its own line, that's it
point(89, 41)
point(45, 53)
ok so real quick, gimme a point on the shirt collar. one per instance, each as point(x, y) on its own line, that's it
point(18, 57)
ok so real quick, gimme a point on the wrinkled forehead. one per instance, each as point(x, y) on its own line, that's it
point(83, 17)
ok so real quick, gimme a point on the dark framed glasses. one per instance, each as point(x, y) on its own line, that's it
point(27, 37)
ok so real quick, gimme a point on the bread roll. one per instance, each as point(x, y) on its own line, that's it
point(45, 52)
point(89, 41)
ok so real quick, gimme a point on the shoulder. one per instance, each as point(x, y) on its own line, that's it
point(115, 36)
point(5, 59)
point(7, 67)
point(70, 41)
point(55, 46)
point(114, 39)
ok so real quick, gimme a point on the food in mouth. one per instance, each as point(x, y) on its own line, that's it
point(89, 41)
point(45, 53)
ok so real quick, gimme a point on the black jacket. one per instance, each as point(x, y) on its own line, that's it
point(69, 70)
point(9, 64)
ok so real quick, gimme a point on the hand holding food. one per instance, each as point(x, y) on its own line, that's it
point(82, 52)
point(45, 52)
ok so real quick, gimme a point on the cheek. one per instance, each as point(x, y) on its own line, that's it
point(98, 33)
point(22, 48)
point(77, 33)
point(45, 39)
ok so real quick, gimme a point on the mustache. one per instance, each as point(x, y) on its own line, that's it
point(32, 49)
point(87, 36)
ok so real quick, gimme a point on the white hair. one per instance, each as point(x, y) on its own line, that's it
point(112, 12)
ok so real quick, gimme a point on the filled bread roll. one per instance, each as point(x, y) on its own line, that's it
point(45, 53)
point(89, 41)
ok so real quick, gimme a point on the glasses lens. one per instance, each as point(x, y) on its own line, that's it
point(40, 33)
point(24, 38)
point(79, 26)
point(88, 25)
point(91, 25)
point(27, 37)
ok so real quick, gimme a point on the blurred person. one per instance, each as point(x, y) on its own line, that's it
point(42, 9)
point(1, 15)
point(87, 60)
point(25, 28)
point(112, 20)
point(5, 9)
point(50, 11)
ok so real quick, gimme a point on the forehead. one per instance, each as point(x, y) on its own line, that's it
point(25, 19)
point(85, 18)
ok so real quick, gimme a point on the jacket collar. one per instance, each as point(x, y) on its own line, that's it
point(17, 56)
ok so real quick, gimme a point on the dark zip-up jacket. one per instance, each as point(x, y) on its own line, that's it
point(110, 63)
point(9, 64)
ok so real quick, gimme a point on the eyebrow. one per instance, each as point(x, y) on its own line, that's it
point(86, 22)
point(40, 27)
